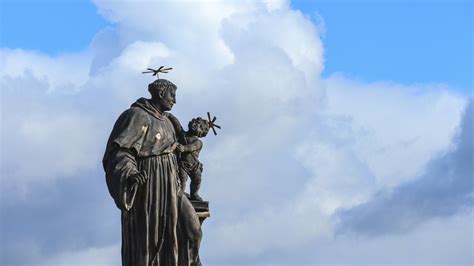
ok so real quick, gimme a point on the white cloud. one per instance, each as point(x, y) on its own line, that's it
point(294, 148)
point(65, 72)
point(31, 254)
point(103, 256)
point(444, 189)
point(441, 241)
point(394, 120)
point(374, 136)
point(45, 133)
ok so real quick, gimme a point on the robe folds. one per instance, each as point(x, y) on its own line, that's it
point(144, 140)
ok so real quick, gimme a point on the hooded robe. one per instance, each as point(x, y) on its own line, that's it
point(143, 139)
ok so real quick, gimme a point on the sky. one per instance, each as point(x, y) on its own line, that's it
point(347, 126)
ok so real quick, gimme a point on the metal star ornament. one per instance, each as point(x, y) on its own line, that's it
point(157, 71)
point(212, 124)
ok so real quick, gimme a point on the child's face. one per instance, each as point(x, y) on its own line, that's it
point(201, 130)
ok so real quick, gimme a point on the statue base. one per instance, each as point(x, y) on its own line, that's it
point(202, 209)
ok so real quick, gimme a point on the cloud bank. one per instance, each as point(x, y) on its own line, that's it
point(300, 157)
point(444, 189)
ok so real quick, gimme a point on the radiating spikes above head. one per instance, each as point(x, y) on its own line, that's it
point(211, 121)
point(156, 72)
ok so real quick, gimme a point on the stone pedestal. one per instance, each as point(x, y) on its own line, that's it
point(202, 209)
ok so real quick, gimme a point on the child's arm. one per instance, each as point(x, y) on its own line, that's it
point(196, 145)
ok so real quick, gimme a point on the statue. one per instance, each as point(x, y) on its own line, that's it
point(189, 164)
point(190, 147)
point(160, 225)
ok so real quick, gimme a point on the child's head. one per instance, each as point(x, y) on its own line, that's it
point(199, 127)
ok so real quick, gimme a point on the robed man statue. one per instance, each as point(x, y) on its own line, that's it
point(159, 224)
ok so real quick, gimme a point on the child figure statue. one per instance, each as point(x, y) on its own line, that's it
point(189, 164)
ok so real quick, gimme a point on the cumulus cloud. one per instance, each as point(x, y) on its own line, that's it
point(445, 188)
point(63, 73)
point(335, 164)
point(45, 133)
point(382, 134)
point(439, 241)
point(294, 147)
point(91, 256)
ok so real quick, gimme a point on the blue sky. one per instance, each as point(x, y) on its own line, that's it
point(405, 41)
point(346, 126)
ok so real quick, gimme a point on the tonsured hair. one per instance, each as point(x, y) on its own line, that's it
point(160, 86)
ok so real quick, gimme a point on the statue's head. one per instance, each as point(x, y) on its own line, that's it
point(163, 92)
point(199, 127)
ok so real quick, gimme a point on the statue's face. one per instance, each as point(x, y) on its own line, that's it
point(200, 131)
point(168, 99)
point(201, 128)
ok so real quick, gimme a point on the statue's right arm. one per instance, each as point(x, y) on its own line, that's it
point(123, 177)
point(120, 159)
point(127, 163)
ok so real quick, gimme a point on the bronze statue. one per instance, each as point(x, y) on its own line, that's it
point(189, 148)
point(160, 226)
point(189, 164)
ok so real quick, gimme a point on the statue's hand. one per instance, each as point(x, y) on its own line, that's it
point(139, 178)
point(180, 147)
